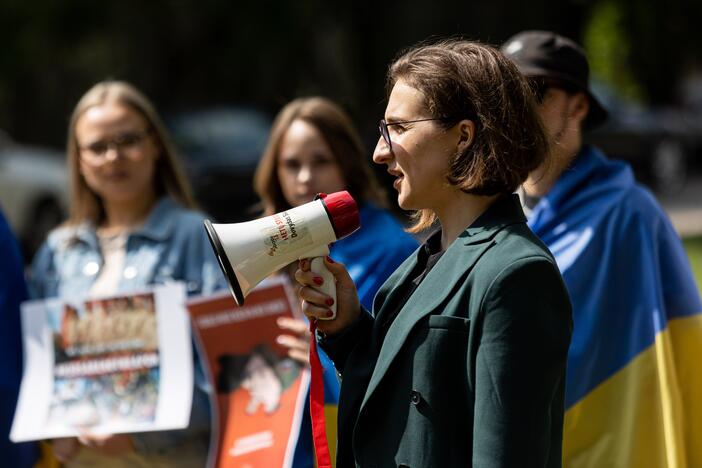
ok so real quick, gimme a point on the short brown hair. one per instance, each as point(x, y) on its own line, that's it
point(86, 204)
point(343, 140)
point(460, 80)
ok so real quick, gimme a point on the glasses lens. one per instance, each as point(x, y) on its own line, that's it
point(97, 149)
point(128, 140)
point(384, 132)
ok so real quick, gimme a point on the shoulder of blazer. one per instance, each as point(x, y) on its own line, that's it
point(466, 250)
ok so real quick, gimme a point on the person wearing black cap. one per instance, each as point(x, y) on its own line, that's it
point(559, 72)
point(632, 389)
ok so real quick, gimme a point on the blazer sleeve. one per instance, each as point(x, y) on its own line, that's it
point(523, 328)
point(339, 347)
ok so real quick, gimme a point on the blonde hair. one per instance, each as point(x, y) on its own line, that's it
point(86, 205)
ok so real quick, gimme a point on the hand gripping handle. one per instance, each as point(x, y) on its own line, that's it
point(328, 287)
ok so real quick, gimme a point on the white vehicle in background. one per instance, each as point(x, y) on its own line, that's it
point(33, 191)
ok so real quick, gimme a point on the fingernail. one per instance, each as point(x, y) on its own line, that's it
point(318, 280)
point(329, 259)
point(329, 301)
point(330, 314)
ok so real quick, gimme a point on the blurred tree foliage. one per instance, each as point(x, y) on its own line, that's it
point(645, 47)
point(187, 53)
point(609, 50)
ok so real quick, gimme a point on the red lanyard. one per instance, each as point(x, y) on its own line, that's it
point(319, 426)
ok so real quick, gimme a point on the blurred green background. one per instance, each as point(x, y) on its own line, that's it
point(693, 246)
point(186, 53)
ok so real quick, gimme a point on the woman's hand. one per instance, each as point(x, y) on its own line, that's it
point(65, 448)
point(109, 444)
point(316, 304)
point(298, 344)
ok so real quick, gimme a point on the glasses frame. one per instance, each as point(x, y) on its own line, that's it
point(383, 127)
point(94, 158)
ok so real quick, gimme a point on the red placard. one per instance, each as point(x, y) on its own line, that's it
point(260, 392)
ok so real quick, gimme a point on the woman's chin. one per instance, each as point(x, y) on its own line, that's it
point(120, 196)
point(404, 203)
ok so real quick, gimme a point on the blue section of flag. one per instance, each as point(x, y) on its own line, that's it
point(374, 252)
point(331, 380)
point(623, 263)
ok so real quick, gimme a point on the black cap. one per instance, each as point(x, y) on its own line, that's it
point(545, 54)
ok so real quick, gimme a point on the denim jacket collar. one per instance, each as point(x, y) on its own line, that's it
point(158, 226)
point(160, 223)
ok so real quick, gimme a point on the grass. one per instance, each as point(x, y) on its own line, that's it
point(693, 246)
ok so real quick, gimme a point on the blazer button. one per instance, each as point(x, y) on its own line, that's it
point(415, 397)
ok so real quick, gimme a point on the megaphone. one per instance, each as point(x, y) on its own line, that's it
point(248, 252)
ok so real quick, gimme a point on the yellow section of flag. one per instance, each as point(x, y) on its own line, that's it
point(649, 414)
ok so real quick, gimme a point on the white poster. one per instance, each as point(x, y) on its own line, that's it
point(105, 365)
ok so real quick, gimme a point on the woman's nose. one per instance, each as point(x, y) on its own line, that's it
point(112, 153)
point(382, 153)
point(304, 175)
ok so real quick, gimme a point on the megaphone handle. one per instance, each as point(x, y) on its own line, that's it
point(328, 287)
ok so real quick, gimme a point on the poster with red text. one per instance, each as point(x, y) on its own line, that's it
point(105, 365)
point(259, 391)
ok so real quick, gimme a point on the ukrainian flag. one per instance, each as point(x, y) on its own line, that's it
point(332, 388)
point(633, 392)
point(304, 452)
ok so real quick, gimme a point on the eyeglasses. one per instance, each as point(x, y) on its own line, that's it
point(383, 127)
point(127, 143)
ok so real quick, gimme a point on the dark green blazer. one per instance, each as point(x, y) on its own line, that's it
point(471, 371)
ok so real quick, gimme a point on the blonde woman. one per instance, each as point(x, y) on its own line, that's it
point(132, 224)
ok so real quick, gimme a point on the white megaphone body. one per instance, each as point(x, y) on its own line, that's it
point(249, 252)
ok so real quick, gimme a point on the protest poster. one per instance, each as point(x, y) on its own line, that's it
point(105, 365)
point(259, 392)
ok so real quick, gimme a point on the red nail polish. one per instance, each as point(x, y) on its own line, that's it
point(329, 259)
point(329, 302)
point(318, 280)
point(330, 314)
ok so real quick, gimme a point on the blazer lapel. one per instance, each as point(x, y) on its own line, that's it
point(443, 277)
point(453, 266)
point(387, 292)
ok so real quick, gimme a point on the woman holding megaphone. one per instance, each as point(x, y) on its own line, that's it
point(314, 148)
point(462, 360)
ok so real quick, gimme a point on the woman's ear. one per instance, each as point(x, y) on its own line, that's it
point(466, 134)
point(580, 106)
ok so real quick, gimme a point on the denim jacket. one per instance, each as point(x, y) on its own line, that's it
point(171, 245)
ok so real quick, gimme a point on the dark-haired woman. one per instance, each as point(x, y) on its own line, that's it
point(462, 360)
point(314, 147)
